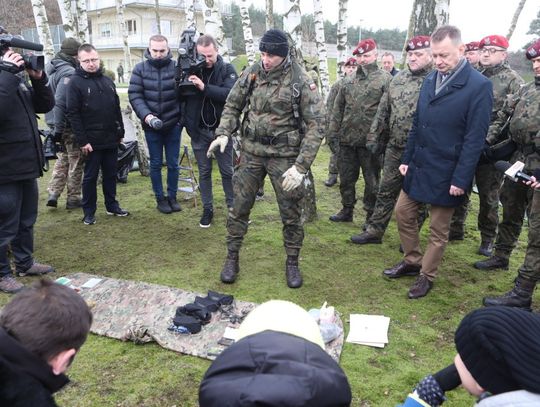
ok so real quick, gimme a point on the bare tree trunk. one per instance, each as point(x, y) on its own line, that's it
point(43, 29)
point(515, 19)
point(142, 147)
point(410, 33)
point(321, 47)
point(124, 33)
point(68, 19)
point(213, 25)
point(158, 17)
point(269, 14)
point(190, 15)
point(248, 33)
point(342, 36)
point(292, 21)
point(310, 199)
point(82, 21)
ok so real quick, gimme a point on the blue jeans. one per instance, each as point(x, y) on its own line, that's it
point(170, 140)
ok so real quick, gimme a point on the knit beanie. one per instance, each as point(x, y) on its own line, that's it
point(500, 346)
point(70, 46)
point(274, 42)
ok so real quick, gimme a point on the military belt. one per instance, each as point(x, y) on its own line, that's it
point(272, 141)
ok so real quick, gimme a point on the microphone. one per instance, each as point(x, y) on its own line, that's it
point(12, 41)
point(513, 171)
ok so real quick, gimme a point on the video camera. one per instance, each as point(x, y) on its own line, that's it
point(36, 62)
point(51, 146)
point(189, 63)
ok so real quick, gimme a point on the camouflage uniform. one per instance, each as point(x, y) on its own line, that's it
point(394, 117)
point(334, 90)
point(353, 112)
point(505, 82)
point(271, 144)
point(68, 170)
point(525, 131)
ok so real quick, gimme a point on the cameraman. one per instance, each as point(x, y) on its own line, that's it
point(21, 163)
point(153, 97)
point(202, 116)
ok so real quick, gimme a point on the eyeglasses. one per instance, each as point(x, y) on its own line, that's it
point(491, 51)
point(87, 61)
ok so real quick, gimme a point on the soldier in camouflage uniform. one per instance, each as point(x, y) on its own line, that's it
point(281, 130)
point(354, 109)
point(349, 67)
point(524, 129)
point(68, 169)
point(472, 53)
point(394, 118)
point(493, 65)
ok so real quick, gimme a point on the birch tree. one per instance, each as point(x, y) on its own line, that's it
point(82, 21)
point(123, 31)
point(292, 21)
point(69, 23)
point(158, 17)
point(342, 36)
point(213, 25)
point(190, 15)
point(321, 47)
point(43, 29)
point(269, 14)
point(515, 19)
point(248, 33)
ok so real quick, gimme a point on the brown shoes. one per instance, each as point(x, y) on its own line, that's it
point(37, 269)
point(402, 269)
point(420, 288)
point(9, 285)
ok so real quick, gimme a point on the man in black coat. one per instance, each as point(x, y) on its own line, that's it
point(21, 163)
point(93, 109)
point(153, 97)
point(202, 114)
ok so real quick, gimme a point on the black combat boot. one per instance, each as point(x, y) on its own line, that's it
point(344, 215)
point(520, 296)
point(292, 272)
point(331, 181)
point(366, 238)
point(230, 268)
point(52, 200)
point(486, 248)
point(493, 263)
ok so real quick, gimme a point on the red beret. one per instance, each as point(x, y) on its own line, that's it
point(418, 42)
point(472, 46)
point(365, 46)
point(495, 40)
point(351, 62)
point(533, 51)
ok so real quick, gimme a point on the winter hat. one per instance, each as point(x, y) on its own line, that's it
point(500, 346)
point(70, 46)
point(274, 42)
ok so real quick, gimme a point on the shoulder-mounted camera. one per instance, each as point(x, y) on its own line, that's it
point(36, 62)
point(188, 63)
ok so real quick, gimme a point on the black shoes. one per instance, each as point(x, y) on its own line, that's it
point(493, 263)
point(163, 205)
point(344, 215)
point(174, 205)
point(402, 269)
point(520, 296)
point(366, 238)
point(420, 288)
point(89, 219)
point(486, 248)
point(331, 181)
point(117, 212)
point(206, 218)
point(52, 200)
point(292, 272)
point(231, 268)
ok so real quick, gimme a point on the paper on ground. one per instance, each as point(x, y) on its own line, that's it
point(371, 330)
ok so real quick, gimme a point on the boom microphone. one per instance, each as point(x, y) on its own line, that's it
point(513, 171)
point(16, 42)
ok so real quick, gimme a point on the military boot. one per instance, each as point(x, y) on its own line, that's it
point(292, 272)
point(331, 181)
point(230, 268)
point(520, 296)
point(344, 215)
point(366, 238)
point(486, 248)
point(52, 200)
point(493, 263)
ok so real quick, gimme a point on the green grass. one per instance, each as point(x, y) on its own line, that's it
point(173, 250)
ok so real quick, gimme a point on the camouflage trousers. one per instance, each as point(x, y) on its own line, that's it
point(530, 269)
point(515, 198)
point(488, 182)
point(388, 193)
point(247, 178)
point(68, 170)
point(333, 163)
point(351, 159)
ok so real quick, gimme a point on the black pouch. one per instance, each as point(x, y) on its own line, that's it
point(222, 299)
point(211, 305)
point(193, 325)
point(195, 311)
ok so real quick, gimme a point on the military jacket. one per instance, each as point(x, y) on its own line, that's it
point(395, 112)
point(269, 128)
point(334, 90)
point(356, 104)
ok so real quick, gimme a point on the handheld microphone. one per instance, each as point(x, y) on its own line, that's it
point(513, 171)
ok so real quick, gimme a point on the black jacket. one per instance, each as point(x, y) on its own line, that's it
point(204, 109)
point(152, 91)
point(21, 154)
point(26, 380)
point(93, 109)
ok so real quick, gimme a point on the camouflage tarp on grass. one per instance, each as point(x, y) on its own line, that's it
point(142, 312)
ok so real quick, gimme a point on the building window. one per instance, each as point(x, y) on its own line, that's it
point(105, 30)
point(165, 27)
point(131, 27)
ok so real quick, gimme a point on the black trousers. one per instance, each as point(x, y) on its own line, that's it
point(107, 161)
point(18, 214)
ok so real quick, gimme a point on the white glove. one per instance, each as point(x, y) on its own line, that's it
point(220, 141)
point(292, 180)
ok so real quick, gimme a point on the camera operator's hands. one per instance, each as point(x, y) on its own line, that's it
point(194, 79)
point(533, 183)
point(86, 149)
point(13, 58)
point(221, 142)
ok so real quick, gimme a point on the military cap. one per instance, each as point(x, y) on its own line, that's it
point(495, 40)
point(533, 51)
point(365, 46)
point(351, 62)
point(472, 46)
point(418, 42)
